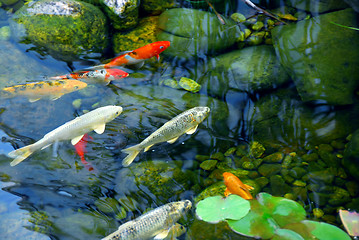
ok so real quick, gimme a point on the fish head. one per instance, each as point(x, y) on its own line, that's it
point(179, 209)
point(160, 46)
point(111, 112)
point(114, 73)
point(200, 113)
point(150, 50)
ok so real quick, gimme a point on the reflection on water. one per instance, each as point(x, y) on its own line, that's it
point(256, 100)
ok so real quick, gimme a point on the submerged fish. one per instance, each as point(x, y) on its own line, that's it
point(156, 223)
point(74, 130)
point(175, 231)
point(137, 56)
point(95, 76)
point(186, 122)
point(45, 89)
point(236, 186)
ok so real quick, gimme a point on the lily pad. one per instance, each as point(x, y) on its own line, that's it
point(268, 214)
point(216, 209)
point(318, 230)
point(286, 234)
point(350, 221)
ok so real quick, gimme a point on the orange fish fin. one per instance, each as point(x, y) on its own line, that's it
point(227, 192)
point(248, 187)
point(157, 56)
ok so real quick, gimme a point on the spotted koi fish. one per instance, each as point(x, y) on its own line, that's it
point(236, 186)
point(96, 76)
point(138, 56)
point(45, 89)
point(80, 148)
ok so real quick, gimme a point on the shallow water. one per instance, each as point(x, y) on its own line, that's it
point(53, 195)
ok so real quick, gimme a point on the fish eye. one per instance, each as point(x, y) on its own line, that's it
point(161, 47)
point(103, 71)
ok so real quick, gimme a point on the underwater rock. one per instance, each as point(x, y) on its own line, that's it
point(323, 64)
point(268, 169)
point(122, 13)
point(155, 7)
point(216, 189)
point(354, 4)
point(143, 34)
point(208, 165)
point(66, 29)
point(5, 33)
point(195, 33)
point(256, 149)
point(317, 6)
point(21, 67)
point(278, 186)
point(250, 69)
point(155, 178)
point(274, 158)
point(189, 84)
point(351, 155)
point(203, 230)
point(8, 2)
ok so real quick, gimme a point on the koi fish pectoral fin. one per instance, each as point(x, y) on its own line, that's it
point(172, 140)
point(227, 192)
point(248, 187)
point(148, 148)
point(162, 234)
point(56, 96)
point(34, 99)
point(76, 139)
point(100, 128)
point(192, 130)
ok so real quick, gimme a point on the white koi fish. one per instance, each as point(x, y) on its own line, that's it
point(74, 130)
point(186, 122)
point(156, 223)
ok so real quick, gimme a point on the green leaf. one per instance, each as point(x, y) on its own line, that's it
point(318, 230)
point(286, 234)
point(267, 214)
point(216, 209)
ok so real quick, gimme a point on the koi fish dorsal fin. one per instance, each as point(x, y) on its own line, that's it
point(76, 139)
point(100, 128)
point(162, 234)
point(192, 130)
point(172, 140)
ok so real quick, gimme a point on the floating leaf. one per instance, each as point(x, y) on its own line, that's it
point(267, 214)
point(350, 221)
point(216, 209)
point(318, 230)
point(286, 234)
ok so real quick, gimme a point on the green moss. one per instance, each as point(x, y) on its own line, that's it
point(126, 18)
point(189, 84)
point(155, 7)
point(80, 32)
point(143, 34)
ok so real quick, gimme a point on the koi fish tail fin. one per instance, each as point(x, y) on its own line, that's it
point(132, 154)
point(20, 154)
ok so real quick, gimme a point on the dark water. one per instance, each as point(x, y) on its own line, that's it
point(53, 195)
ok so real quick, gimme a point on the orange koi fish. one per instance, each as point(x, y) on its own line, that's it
point(80, 148)
point(235, 186)
point(45, 89)
point(96, 76)
point(138, 56)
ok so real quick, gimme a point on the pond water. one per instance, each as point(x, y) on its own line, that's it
point(274, 134)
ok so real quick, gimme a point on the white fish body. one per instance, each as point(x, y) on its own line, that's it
point(186, 122)
point(74, 130)
point(156, 223)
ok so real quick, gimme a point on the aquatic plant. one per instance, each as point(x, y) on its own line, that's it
point(266, 217)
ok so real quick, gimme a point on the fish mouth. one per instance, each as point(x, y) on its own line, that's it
point(187, 204)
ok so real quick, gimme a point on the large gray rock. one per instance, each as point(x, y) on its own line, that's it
point(195, 33)
point(66, 29)
point(250, 69)
point(354, 4)
point(322, 58)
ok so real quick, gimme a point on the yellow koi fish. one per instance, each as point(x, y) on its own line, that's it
point(45, 89)
point(186, 122)
point(74, 130)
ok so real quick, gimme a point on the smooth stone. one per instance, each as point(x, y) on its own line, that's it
point(268, 170)
point(274, 158)
point(122, 13)
point(195, 33)
point(333, 78)
point(208, 165)
point(189, 84)
point(351, 156)
point(250, 69)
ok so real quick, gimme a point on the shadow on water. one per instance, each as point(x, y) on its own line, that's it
point(258, 97)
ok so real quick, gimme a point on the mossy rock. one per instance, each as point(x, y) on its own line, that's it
point(123, 14)
point(155, 7)
point(189, 84)
point(66, 29)
point(143, 34)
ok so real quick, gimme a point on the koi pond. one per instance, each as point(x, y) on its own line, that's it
point(280, 78)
